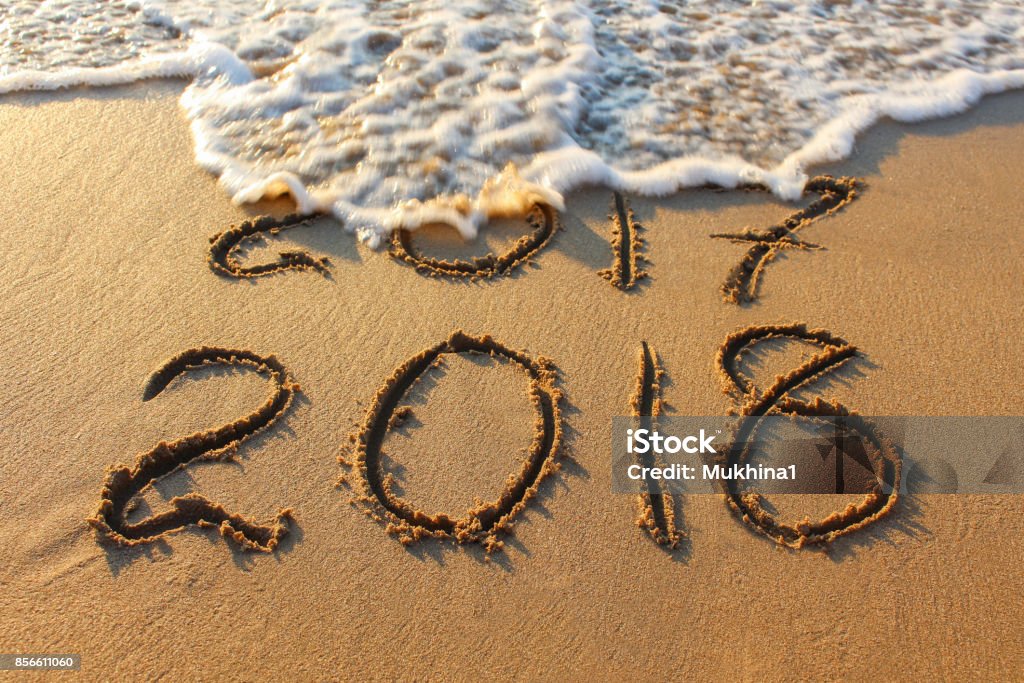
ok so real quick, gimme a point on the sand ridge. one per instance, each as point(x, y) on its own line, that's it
point(752, 402)
point(656, 509)
point(627, 243)
point(225, 245)
point(485, 522)
point(542, 219)
point(742, 282)
point(124, 483)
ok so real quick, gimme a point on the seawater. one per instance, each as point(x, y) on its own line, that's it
point(395, 114)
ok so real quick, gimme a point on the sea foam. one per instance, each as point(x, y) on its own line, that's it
point(396, 114)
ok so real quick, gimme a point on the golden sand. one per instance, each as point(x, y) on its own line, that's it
point(104, 275)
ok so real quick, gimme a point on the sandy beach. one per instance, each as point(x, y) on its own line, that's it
point(104, 276)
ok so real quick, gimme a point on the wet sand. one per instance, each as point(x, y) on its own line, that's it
point(104, 276)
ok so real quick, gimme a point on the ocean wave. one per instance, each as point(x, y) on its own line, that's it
point(398, 114)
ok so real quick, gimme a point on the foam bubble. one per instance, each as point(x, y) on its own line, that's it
point(396, 115)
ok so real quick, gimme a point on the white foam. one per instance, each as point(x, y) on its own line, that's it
point(157, 66)
point(460, 111)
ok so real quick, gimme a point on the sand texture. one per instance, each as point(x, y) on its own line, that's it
point(265, 558)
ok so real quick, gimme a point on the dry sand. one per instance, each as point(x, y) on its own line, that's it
point(103, 277)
